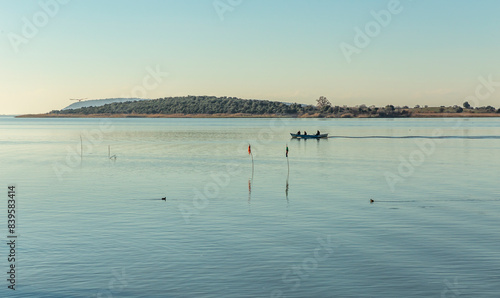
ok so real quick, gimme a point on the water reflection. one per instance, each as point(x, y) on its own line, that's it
point(287, 177)
point(249, 191)
point(312, 139)
point(286, 190)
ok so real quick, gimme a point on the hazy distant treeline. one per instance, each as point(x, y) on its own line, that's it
point(195, 105)
point(231, 105)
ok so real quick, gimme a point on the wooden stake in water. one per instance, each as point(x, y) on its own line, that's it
point(250, 153)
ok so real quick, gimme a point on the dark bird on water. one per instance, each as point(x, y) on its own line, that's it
point(371, 201)
point(164, 199)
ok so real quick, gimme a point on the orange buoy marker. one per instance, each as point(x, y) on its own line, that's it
point(372, 201)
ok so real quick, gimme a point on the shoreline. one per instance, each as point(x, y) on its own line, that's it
point(414, 115)
point(151, 116)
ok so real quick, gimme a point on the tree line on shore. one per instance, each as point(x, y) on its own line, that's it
point(210, 105)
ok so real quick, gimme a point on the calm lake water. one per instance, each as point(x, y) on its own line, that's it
point(90, 226)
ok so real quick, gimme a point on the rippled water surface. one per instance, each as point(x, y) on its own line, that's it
point(91, 226)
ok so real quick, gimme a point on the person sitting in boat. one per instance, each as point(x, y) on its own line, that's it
point(305, 133)
point(317, 133)
point(298, 133)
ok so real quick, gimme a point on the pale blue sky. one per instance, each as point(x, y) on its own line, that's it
point(432, 52)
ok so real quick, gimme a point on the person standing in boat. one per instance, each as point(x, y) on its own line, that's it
point(317, 133)
point(298, 133)
point(305, 133)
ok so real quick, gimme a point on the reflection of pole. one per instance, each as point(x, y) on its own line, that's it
point(286, 189)
point(81, 147)
point(287, 162)
point(249, 191)
point(251, 179)
point(288, 174)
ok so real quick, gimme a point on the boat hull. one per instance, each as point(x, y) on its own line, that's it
point(321, 136)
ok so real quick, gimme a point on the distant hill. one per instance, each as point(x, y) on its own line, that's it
point(187, 105)
point(99, 102)
point(211, 106)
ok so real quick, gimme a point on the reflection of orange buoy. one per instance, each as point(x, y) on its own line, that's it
point(371, 201)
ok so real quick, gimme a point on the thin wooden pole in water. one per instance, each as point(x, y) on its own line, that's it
point(81, 147)
point(287, 162)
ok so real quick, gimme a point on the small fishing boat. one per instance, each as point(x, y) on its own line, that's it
point(320, 136)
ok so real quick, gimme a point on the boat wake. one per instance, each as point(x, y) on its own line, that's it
point(419, 137)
